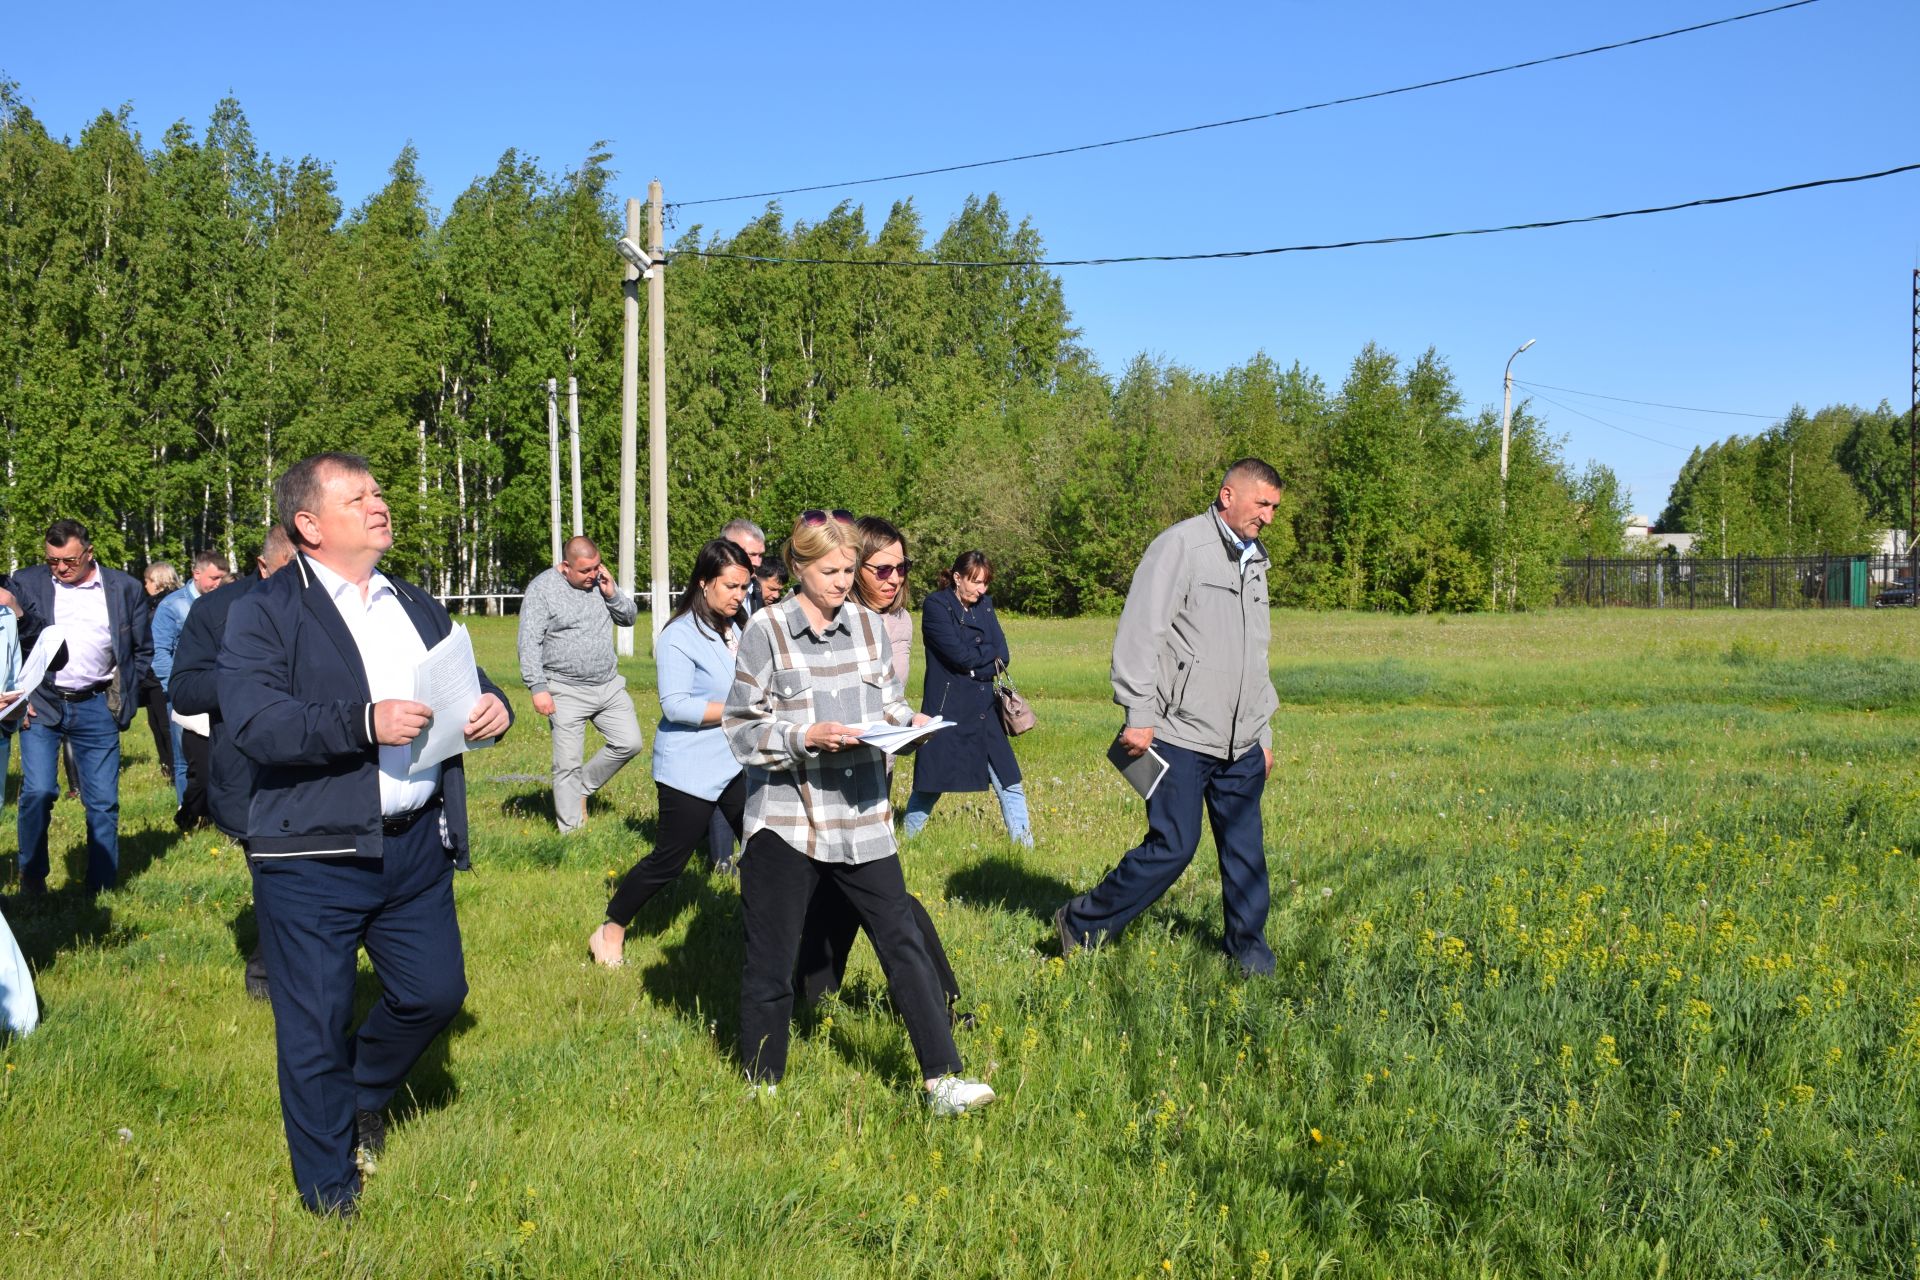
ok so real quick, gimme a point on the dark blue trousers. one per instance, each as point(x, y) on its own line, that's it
point(314, 916)
point(1230, 791)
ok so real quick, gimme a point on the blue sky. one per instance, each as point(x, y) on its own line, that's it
point(1801, 298)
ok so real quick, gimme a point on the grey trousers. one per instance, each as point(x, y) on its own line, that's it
point(610, 710)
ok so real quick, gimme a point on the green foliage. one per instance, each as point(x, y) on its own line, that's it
point(1806, 486)
point(179, 323)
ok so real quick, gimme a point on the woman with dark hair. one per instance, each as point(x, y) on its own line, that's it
point(813, 671)
point(693, 770)
point(965, 650)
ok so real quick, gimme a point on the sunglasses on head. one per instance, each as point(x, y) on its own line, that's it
point(886, 571)
point(815, 516)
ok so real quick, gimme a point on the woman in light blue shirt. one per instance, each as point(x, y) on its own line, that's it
point(693, 768)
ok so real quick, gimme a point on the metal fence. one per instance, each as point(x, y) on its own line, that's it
point(508, 602)
point(1743, 582)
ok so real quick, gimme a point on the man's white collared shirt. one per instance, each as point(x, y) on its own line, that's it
point(390, 649)
point(81, 611)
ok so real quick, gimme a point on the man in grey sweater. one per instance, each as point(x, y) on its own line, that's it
point(1190, 669)
point(567, 660)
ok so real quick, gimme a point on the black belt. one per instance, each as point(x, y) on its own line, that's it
point(398, 824)
point(81, 695)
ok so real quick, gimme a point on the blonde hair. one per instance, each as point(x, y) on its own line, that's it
point(876, 535)
point(810, 542)
point(164, 575)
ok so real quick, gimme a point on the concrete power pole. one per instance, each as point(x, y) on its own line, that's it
point(573, 424)
point(553, 465)
point(629, 421)
point(657, 405)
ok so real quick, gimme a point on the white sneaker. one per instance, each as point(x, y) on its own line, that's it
point(755, 1092)
point(950, 1095)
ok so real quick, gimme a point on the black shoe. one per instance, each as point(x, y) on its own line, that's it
point(1068, 943)
point(256, 977)
point(369, 1140)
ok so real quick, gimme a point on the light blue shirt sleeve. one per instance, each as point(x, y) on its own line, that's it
point(168, 620)
point(9, 649)
point(677, 678)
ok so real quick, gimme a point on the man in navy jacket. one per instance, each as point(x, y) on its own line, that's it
point(194, 690)
point(348, 846)
point(88, 697)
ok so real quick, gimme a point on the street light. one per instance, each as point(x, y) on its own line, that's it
point(632, 252)
point(1506, 421)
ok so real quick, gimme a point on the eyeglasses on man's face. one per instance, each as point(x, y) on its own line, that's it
point(66, 562)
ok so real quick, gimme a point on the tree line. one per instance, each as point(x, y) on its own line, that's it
point(1810, 484)
point(179, 322)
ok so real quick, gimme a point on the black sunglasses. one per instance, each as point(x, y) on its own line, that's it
point(886, 571)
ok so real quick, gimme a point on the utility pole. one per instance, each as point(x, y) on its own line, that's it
point(573, 424)
point(629, 419)
point(1913, 444)
point(657, 405)
point(1506, 425)
point(553, 465)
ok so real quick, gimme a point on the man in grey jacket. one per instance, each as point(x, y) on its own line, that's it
point(568, 662)
point(1190, 669)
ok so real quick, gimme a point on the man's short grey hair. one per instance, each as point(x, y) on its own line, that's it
point(745, 528)
point(1251, 471)
point(300, 488)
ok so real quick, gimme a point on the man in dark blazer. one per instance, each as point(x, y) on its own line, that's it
point(196, 691)
point(87, 699)
point(349, 846)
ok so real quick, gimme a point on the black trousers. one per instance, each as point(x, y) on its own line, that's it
point(777, 882)
point(193, 810)
point(827, 937)
point(679, 830)
point(154, 699)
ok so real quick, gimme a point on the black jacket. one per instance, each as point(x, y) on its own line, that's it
point(196, 691)
point(963, 648)
point(294, 694)
point(127, 617)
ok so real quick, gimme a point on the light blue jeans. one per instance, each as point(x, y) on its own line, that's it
point(1013, 810)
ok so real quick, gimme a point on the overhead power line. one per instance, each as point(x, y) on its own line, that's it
point(1003, 264)
point(1665, 444)
point(1652, 404)
point(1253, 119)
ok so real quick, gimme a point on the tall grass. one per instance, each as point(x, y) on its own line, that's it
point(1597, 958)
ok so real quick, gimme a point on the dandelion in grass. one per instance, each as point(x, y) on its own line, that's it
point(1317, 1136)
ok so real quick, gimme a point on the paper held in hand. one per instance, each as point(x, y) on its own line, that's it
point(889, 738)
point(34, 670)
point(1142, 772)
point(447, 680)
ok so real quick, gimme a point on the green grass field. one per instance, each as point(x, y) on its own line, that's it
point(1597, 939)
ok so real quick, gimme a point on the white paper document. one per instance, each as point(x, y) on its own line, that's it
point(34, 669)
point(447, 680)
point(889, 738)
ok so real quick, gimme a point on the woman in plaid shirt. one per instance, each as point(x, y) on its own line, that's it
point(812, 671)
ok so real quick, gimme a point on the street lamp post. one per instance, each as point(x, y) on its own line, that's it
point(1506, 421)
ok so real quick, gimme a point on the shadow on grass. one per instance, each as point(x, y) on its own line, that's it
point(529, 804)
point(698, 976)
point(1006, 881)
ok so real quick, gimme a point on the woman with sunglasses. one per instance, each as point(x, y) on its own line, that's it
point(693, 770)
point(831, 926)
point(965, 650)
point(811, 669)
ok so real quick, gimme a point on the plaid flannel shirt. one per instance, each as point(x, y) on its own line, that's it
point(832, 806)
